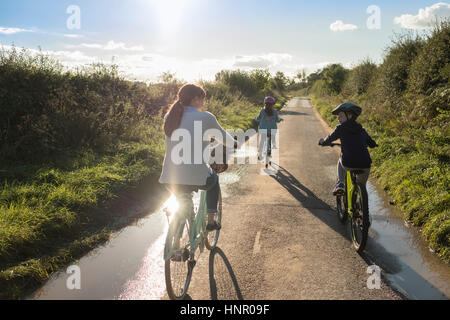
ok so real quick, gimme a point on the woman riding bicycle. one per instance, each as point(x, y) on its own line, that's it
point(354, 143)
point(189, 172)
point(268, 119)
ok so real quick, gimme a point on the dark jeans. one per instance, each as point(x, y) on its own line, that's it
point(212, 188)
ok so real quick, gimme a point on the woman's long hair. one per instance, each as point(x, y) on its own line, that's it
point(176, 110)
point(268, 108)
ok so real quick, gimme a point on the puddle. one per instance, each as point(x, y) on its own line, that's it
point(398, 248)
point(130, 265)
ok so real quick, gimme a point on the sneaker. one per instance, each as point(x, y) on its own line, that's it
point(213, 226)
point(339, 189)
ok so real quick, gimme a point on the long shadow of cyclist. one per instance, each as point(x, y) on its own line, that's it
point(222, 280)
point(309, 200)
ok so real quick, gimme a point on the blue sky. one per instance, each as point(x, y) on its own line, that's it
point(197, 38)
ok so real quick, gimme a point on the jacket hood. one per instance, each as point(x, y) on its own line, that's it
point(352, 127)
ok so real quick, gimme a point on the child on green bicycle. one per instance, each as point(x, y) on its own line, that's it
point(354, 143)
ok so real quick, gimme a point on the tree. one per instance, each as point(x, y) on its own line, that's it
point(334, 77)
point(261, 78)
point(279, 81)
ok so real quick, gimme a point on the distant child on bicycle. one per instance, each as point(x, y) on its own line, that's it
point(354, 143)
point(268, 119)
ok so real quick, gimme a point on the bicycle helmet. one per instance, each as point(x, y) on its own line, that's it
point(269, 100)
point(348, 107)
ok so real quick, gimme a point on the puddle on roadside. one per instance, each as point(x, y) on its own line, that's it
point(129, 266)
point(400, 250)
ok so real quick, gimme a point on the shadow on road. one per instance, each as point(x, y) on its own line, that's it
point(309, 200)
point(293, 113)
point(397, 274)
point(222, 280)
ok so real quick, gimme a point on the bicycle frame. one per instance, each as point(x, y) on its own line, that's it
point(349, 189)
point(196, 223)
point(197, 233)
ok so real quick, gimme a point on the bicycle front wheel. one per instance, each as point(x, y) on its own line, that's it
point(213, 237)
point(360, 218)
point(178, 270)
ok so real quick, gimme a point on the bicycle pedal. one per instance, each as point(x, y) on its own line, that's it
point(181, 256)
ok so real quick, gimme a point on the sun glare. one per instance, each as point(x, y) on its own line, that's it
point(170, 13)
point(172, 204)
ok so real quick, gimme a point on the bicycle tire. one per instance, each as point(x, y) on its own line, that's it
point(176, 291)
point(212, 238)
point(341, 209)
point(360, 217)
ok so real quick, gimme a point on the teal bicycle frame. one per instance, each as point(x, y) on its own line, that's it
point(196, 224)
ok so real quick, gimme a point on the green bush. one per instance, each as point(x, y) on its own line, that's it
point(360, 78)
point(238, 80)
point(334, 76)
point(431, 68)
point(395, 69)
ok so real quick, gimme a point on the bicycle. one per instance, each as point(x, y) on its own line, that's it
point(268, 150)
point(268, 158)
point(354, 203)
point(187, 233)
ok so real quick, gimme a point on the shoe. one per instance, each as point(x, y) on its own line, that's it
point(213, 226)
point(339, 189)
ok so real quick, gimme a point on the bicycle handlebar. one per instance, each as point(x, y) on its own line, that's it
point(331, 145)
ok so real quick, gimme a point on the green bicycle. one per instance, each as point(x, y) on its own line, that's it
point(186, 234)
point(354, 203)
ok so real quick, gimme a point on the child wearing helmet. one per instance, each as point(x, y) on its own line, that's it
point(268, 119)
point(354, 143)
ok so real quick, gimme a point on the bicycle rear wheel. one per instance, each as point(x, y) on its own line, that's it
point(213, 236)
point(178, 270)
point(360, 218)
point(341, 208)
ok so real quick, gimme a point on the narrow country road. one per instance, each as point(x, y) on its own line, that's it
point(281, 238)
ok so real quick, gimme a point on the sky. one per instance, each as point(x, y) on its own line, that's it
point(194, 39)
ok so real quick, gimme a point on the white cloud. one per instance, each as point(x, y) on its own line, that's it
point(9, 31)
point(262, 61)
point(109, 46)
point(340, 26)
point(73, 36)
point(426, 18)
